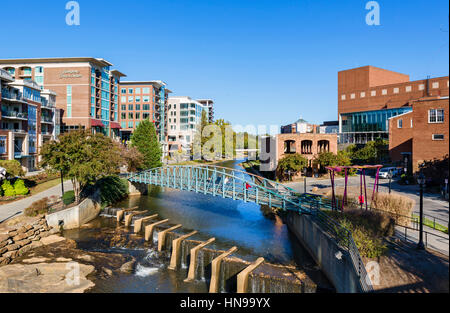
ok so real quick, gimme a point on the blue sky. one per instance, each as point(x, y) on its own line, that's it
point(263, 62)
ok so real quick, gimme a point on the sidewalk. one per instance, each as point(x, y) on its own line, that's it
point(440, 242)
point(16, 208)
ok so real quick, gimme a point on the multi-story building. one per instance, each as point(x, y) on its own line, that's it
point(421, 134)
point(183, 116)
point(368, 96)
point(87, 89)
point(299, 127)
point(28, 119)
point(142, 100)
point(209, 105)
point(330, 127)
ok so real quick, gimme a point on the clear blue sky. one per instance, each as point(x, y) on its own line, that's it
point(263, 62)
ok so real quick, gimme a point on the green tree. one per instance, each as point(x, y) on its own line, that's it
point(20, 188)
point(373, 152)
point(325, 159)
point(145, 140)
point(12, 167)
point(293, 163)
point(82, 157)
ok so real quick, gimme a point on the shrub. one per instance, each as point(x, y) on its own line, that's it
point(8, 189)
point(396, 206)
point(68, 197)
point(112, 189)
point(368, 229)
point(19, 188)
point(13, 168)
point(38, 207)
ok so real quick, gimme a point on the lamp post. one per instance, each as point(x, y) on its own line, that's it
point(421, 181)
point(305, 170)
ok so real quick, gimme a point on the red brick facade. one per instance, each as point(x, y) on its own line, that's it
point(417, 135)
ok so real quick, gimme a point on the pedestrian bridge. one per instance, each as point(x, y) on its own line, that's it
point(226, 183)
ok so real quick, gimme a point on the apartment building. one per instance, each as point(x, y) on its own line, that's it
point(421, 134)
point(28, 119)
point(209, 106)
point(301, 126)
point(184, 114)
point(369, 96)
point(142, 100)
point(87, 89)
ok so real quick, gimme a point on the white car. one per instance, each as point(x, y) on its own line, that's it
point(384, 172)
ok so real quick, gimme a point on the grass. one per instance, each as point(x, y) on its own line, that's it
point(432, 224)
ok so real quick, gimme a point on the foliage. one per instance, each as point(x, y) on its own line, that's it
point(325, 159)
point(399, 207)
point(19, 188)
point(436, 171)
point(8, 189)
point(373, 152)
point(68, 197)
point(145, 140)
point(13, 168)
point(368, 229)
point(83, 157)
point(132, 158)
point(293, 163)
point(37, 207)
point(112, 189)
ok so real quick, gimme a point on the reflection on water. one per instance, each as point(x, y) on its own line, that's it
point(232, 223)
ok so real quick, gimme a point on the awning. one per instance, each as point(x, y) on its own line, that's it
point(98, 123)
point(115, 125)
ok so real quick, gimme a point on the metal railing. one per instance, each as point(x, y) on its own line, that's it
point(15, 114)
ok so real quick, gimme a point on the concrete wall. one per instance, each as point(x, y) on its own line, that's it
point(323, 249)
point(76, 216)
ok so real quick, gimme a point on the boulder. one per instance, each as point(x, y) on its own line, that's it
point(13, 247)
point(128, 267)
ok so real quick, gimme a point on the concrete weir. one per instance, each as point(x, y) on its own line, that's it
point(194, 259)
point(150, 228)
point(162, 236)
point(215, 270)
point(242, 278)
point(129, 217)
point(176, 249)
point(121, 213)
point(138, 223)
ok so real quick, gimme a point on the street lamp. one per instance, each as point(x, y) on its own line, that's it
point(305, 170)
point(421, 181)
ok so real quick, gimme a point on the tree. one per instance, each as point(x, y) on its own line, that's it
point(373, 152)
point(325, 159)
point(132, 158)
point(82, 157)
point(145, 140)
point(293, 163)
point(12, 167)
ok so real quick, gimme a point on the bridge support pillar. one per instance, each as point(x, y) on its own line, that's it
point(137, 189)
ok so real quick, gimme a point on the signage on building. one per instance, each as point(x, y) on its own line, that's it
point(70, 74)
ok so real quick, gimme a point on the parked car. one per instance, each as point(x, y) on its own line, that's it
point(384, 172)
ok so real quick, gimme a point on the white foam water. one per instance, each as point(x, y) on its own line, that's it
point(143, 271)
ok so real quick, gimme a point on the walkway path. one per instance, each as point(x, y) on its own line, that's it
point(16, 208)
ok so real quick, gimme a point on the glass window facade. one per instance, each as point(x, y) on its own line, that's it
point(370, 121)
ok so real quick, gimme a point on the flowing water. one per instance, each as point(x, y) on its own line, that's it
point(232, 223)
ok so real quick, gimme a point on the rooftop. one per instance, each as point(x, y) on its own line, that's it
point(98, 61)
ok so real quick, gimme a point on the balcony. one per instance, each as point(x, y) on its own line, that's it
point(46, 104)
point(45, 132)
point(5, 75)
point(13, 115)
point(13, 96)
point(47, 119)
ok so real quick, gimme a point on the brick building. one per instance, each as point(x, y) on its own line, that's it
point(421, 134)
point(142, 100)
point(28, 119)
point(87, 89)
point(369, 96)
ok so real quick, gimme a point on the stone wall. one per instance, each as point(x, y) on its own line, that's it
point(17, 241)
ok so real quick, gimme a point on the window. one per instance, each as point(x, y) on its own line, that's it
point(411, 123)
point(130, 99)
point(399, 123)
point(421, 87)
point(145, 116)
point(436, 116)
point(130, 91)
point(146, 98)
point(2, 144)
point(438, 137)
point(138, 99)
point(435, 85)
point(138, 107)
point(343, 97)
point(123, 107)
point(130, 115)
point(384, 92)
point(123, 90)
point(363, 94)
point(145, 90)
point(69, 101)
point(123, 124)
point(123, 99)
point(130, 107)
point(396, 90)
point(352, 96)
point(123, 116)
point(146, 107)
point(130, 124)
point(408, 88)
point(138, 90)
point(373, 93)
point(138, 116)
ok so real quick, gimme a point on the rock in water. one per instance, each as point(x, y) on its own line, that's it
point(128, 267)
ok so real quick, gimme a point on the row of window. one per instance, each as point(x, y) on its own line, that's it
point(145, 107)
point(435, 116)
point(136, 99)
point(145, 90)
point(395, 90)
point(134, 116)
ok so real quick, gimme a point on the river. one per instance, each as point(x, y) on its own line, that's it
point(232, 223)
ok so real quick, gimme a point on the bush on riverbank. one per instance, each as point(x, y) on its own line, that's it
point(68, 197)
point(398, 207)
point(38, 207)
point(368, 230)
point(112, 189)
